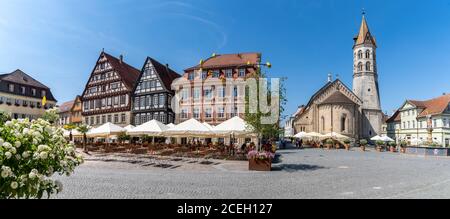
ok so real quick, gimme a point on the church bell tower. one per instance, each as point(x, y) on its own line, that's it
point(365, 81)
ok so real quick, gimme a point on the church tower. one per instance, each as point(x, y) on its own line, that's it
point(365, 81)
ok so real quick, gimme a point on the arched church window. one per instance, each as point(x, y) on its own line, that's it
point(368, 66)
point(343, 121)
point(360, 54)
point(360, 66)
point(368, 54)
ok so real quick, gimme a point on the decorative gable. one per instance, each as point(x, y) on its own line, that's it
point(336, 92)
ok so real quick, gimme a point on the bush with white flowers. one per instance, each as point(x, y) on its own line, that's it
point(31, 152)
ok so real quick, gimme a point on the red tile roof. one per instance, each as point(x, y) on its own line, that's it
point(166, 74)
point(229, 60)
point(66, 107)
point(434, 106)
point(128, 73)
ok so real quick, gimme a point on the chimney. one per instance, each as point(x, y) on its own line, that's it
point(330, 78)
point(167, 67)
point(121, 59)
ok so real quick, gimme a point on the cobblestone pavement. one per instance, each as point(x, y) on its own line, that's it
point(309, 173)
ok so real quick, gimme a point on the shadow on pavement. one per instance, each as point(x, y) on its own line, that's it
point(296, 167)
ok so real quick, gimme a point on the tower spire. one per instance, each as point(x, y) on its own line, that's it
point(364, 35)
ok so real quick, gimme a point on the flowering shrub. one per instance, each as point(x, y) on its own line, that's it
point(30, 154)
point(263, 155)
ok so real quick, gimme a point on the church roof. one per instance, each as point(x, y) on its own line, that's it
point(338, 97)
point(364, 35)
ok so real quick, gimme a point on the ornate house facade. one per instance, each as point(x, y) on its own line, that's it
point(352, 112)
point(21, 96)
point(70, 112)
point(214, 90)
point(422, 121)
point(152, 95)
point(107, 95)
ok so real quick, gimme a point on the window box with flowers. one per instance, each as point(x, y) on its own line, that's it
point(260, 161)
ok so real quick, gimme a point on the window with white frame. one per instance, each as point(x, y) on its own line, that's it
point(184, 94)
point(196, 113)
point(221, 112)
point(155, 101)
point(221, 92)
point(242, 72)
point(229, 73)
point(191, 76)
point(208, 113)
point(161, 100)
point(184, 113)
point(11, 87)
point(208, 93)
point(196, 93)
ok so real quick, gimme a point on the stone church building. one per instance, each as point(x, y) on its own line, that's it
point(337, 108)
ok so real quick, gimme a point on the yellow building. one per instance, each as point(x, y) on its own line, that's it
point(21, 96)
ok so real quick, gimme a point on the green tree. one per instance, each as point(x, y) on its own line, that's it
point(122, 137)
point(265, 131)
point(51, 115)
point(83, 129)
point(4, 117)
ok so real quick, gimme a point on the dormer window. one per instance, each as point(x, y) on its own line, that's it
point(191, 76)
point(242, 72)
point(229, 73)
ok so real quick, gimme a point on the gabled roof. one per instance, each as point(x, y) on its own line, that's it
point(166, 74)
point(66, 107)
point(20, 77)
point(326, 86)
point(228, 60)
point(395, 117)
point(128, 73)
point(434, 106)
point(339, 99)
point(364, 35)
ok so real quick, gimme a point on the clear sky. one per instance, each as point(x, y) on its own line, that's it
point(58, 41)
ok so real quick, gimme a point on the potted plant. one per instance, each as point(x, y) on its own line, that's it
point(393, 146)
point(260, 161)
point(363, 144)
point(329, 143)
point(347, 144)
point(380, 145)
point(403, 146)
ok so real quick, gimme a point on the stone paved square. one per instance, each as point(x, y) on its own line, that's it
point(301, 174)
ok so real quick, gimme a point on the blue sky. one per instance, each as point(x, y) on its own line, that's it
point(58, 41)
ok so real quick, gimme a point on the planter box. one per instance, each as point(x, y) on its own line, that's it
point(429, 151)
point(260, 165)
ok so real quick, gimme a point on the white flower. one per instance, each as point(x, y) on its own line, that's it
point(7, 145)
point(17, 144)
point(8, 155)
point(43, 155)
point(18, 157)
point(8, 124)
point(13, 150)
point(25, 154)
point(5, 173)
point(31, 175)
point(14, 185)
point(1, 142)
point(26, 131)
